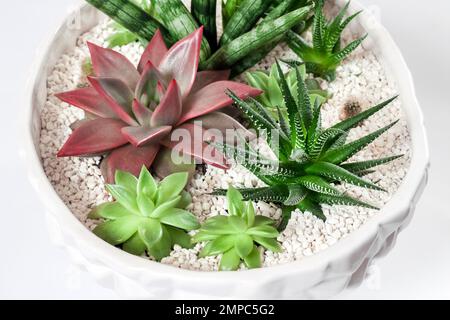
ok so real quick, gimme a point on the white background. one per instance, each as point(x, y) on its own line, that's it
point(419, 265)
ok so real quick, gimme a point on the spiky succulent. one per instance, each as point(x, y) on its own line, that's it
point(133, 112)
point(272, 96)
point(309, 160)
point(238, 236)
point(146, 215)
point(325, 54)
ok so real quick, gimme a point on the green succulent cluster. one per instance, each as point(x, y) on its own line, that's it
point(272, 97)
point(325, 54)
point(146, 215)
point(238, 236)
point(311, 160)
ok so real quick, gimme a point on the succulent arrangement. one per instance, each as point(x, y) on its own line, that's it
point(272, 96)
point(146, 215)
point(182, 83)
point(237, 236)
point(138, 109)
point(310, 160)
point(325, 54)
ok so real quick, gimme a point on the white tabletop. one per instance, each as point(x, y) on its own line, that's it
point(418, 267)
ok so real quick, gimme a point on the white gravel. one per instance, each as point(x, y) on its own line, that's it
point(361, 78)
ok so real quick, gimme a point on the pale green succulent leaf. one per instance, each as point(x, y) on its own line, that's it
point(134, 245)
point(263, 231)
point(164, 207)
point(235, 203)
point(117, 231)
point(163, 247)
point(180, 237)
point(145, 204)
point(147, 184)
point(243, 244)
point(230, 261)
point(150, 231)
point(109, 210)
point(219, 245)
point(126, 180)
point(253, 260)
point(180, 218)
point(268, 243)
point(124, 196)
point(171, 186)
point(185, 201)
point(250, 213)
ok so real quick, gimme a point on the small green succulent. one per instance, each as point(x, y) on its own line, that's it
point(146, 215)
point(272, 97)
point(325, 54)
point(121, 35)
point(310, 160)
point(239, 235)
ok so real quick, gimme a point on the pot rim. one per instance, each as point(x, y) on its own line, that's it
point(393, 211)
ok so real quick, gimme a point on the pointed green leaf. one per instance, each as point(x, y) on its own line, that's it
point(243, 244)
point(166, 206)
point(250, 213)
point(341, 55)
point(126, 180)
point(230, 261)
point(269, 243)
point(332, 171)
point(134, 245)
point(180, 218)
point(145, 204)
point(150, 231)
point(163, 247)
point(357, 167)
point(263, 231)
point(296, 194)
point(351, 122)
point(341, 200)
point(235, 202)
point(109, 210)
point(219, 245)
point(262, 220)
point(146, 184)
point(180, 237)
point(123, 196)
point(172, 186)
point(117, 231)
point(345, 152)
point(317, 184)
point(254, 259)
point(308, 205)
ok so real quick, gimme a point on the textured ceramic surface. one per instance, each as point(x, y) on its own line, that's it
point(320, 276)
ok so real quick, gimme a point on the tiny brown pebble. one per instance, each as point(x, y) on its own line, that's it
point(350, 109)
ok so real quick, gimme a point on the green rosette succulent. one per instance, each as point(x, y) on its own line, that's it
point(269, 82)
point(239, 236)
point(146, 215)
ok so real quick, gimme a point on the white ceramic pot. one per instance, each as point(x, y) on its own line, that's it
point(319, 276)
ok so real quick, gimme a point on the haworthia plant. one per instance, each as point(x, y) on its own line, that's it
point(325, 54)
point(238, 237)
point(311, 160)
point(146, 215)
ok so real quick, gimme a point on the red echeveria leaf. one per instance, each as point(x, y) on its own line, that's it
point(142, 114)
point(139, 136)
point(169, 109)
point(205, 78)
point(94, 137)
point(227, 125)
point(154, 52)
point(213, 97)
point(181, 61)
point(118, 95)
point(189, 139)
point(111, 64)
point(129, 159)
point(88, 100)
point(147, 87)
